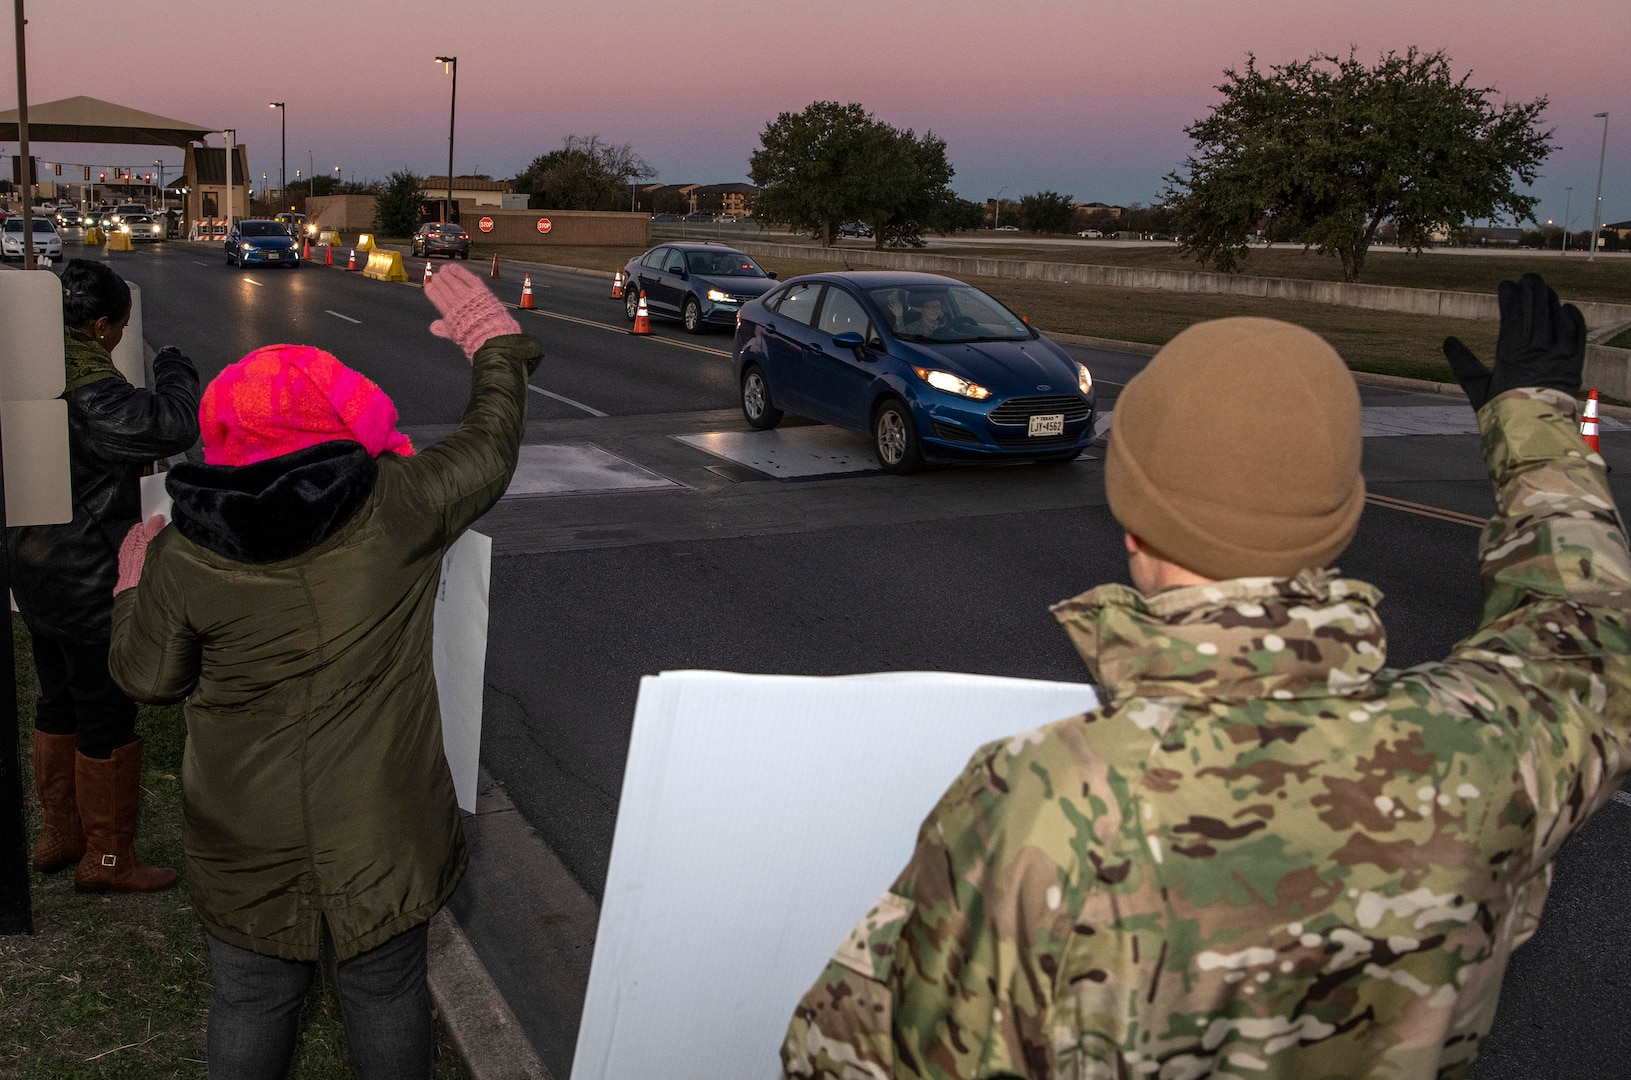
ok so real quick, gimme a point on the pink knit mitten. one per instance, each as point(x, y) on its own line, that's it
point(133, 552)
point(471, 315)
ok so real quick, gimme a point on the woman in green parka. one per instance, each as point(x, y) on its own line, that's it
point(291, 606)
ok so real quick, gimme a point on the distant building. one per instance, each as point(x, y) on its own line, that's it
point(468, 190)
point(673, 198)
point(1483, 236)
point(733, 199)
point(1091, 208)
point(1622, 229)
point(204, 178)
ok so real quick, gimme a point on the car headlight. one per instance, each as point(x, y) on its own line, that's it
point(952, 384)
point(719, 297)
point(1084, 379)
point(124, 228)
point(246, 247)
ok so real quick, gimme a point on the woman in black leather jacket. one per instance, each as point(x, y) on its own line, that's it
point(87, 758)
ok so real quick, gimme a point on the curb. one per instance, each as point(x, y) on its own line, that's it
point(480, 1024)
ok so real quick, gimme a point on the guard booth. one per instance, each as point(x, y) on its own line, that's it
point(432, 210)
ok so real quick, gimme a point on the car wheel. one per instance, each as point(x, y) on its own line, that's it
point(465, 256)
point(631, 302)
point(692, 315)
point(894, 438)
point(761, 415)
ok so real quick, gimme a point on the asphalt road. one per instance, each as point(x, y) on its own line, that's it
point(953, 569)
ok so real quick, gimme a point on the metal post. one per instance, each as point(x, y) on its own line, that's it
point(1568, 201)
point(25, 163)
point(230, 135)
point(1597, 203)
point(452, 63)
point(16, 909)
point(283, 151)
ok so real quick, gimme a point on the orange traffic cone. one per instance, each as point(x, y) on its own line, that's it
point(642, 317)
point(426, 279)
point(328, 253)
point(305, 248)
point(495, 272)
point(526, 294)
point(1588, 424)
point(351, 263)
point(617, 285)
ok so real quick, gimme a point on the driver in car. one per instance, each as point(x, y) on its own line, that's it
point(926, 317)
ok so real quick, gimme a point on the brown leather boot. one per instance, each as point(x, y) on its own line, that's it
point(109, 794)
point(62, 841)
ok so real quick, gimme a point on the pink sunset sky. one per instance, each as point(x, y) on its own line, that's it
point(1086, 98)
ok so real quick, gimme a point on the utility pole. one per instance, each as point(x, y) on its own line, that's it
point(283, 150)
point(25, 163)
point(16, 908)
point(1597, 203)
point(450, 63)
point(1568, 202)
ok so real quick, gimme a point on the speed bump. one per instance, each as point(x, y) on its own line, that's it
point(365, 242)
point(384, 265)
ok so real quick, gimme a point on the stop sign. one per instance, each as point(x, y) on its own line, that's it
point(543, 225)
point(485, 224)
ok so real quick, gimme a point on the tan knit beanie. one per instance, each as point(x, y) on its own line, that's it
point(1235, 453)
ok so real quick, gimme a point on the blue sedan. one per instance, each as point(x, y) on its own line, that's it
point(931, 368)
point(261, 243)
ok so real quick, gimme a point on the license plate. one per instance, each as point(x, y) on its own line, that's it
point(1052, 424)
point(271, 254)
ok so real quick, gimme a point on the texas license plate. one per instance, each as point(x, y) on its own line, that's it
point(1052, 424)
point(269, 254)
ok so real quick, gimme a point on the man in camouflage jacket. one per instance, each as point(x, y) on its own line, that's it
point(1266, 854)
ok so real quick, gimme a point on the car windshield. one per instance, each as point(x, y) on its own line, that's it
point(138, 219)
point(722, 264)
point(946, 313)
point(262, 228)
point(40, 225)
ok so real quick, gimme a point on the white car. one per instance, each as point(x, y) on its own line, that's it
point(1091, 234)
point(141, 227)
point(47, 241)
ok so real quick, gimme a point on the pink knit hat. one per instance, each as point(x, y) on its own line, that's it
point(284, 398)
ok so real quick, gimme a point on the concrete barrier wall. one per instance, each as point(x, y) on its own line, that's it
point(344, 213)
point(1452, 305)
point(1609, 370)
point(574, 228)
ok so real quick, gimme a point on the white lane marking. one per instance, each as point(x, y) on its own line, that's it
point(200, 262)
point(562, 398)
point(251, 280)
point(1623, 798)
point(337, 315)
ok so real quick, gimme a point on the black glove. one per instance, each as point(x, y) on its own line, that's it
point(1542, 343)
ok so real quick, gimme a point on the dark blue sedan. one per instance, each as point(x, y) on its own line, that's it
point(700, 284)
point(261, 243)
point(931, 368)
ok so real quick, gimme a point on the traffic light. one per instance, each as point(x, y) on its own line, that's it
point(87, 172)
point(59, 168)
point(101, 177)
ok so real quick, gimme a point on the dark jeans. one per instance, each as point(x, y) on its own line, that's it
point(255, 1010)
point(78, 697)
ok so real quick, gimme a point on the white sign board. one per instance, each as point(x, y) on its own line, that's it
point(33, 418)
point(459, 655)
point(128, 357)
point(761, 816)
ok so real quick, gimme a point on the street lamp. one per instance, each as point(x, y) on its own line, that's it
point(997, 217)
point(1597, 204)
point(283, 153)
point(1568, 201)
point(450, 64)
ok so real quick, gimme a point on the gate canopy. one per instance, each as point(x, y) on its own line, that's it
point(92, 120)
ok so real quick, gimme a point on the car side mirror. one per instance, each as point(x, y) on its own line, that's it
point(849, 339)
point(771, 274)
point(681, 274)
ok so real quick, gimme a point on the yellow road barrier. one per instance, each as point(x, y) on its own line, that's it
point(384, 265)
point(119, 240)
point(328, 236)
point(365, 242)
point(93, 236)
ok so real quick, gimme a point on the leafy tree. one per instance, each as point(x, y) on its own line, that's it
point(1047, 212)
point(956, 215)
point(584, 174)
point(1333, 148)
point(833, 163)
point(397, 206)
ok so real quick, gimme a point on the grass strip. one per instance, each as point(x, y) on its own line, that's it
point(119, 986)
